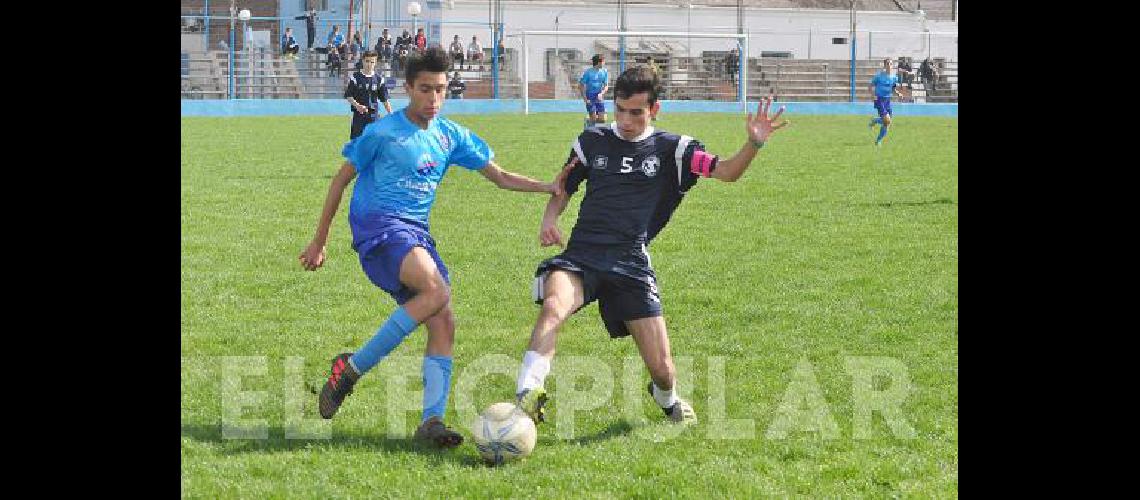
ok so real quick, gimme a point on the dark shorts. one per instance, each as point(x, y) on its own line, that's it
point(883, 106)
point(381, 256)
point(360, 121)
point(595, 105)
point(620, 297)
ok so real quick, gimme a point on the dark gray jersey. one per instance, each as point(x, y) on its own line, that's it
point(632, 187)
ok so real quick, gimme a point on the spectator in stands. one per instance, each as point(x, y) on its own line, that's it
point(357, 45)
point(475, 52)
point(653, 65)
point(289, 46)
point(334, 60)
point(336, 39)
point(384, 46)
point(732, 64)
point(403, 47)
point(456, 86)
point(928, 74)
point(502, 53)
point(456, 50)
point(421, 40)
point(310, 18)
point(906, 73)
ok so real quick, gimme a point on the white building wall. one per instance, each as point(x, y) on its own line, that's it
point(880, 34)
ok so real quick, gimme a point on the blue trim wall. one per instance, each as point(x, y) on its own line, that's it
point(288, 107)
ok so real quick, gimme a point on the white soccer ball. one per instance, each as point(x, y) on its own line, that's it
point(414, 8)
point(503, 433)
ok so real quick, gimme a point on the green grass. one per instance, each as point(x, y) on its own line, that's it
point(827, 249)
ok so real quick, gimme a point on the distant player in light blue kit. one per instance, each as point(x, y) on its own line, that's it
point(883, 86)
point(593, 85)
point(401, 160)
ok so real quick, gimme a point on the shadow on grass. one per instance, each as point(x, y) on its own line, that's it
point(464, 455)
point(276, 442)
point(892, 204)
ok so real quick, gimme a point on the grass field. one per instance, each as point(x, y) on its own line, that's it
point(827, 252)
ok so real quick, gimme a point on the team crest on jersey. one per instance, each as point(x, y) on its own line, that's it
point(600, 162)
point(649, 165)
point(426, 164)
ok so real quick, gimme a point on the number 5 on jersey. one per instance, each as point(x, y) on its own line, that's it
point(626, 166)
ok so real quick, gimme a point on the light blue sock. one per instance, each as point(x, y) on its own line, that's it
point(391, 333)
point(882, 133)
point(437, 380)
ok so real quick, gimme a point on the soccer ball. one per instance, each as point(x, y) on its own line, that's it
point(503, 432)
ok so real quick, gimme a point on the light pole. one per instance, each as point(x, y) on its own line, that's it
point(231, 49)
point(414, 10)
point(690, 30)
point(556, 17)
point(557, 49)
point(852, 50)
point(244, 15)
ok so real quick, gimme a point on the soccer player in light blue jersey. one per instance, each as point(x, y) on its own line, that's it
point(400, 160)
point(593, 85)
point(883, 87)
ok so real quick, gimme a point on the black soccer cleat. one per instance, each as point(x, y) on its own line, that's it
point(338, 386)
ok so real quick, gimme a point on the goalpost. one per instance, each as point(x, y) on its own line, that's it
point(742, 40)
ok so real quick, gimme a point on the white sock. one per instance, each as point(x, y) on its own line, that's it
point(665, 399)
point(533, 373)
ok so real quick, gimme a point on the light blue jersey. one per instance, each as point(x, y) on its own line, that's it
point(884, 84)
point(399, 167)
point(595, 79)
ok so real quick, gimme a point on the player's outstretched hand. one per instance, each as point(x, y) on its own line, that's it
point(550, 235)
point(560, 179)
point(760, 126)
point(313, 256)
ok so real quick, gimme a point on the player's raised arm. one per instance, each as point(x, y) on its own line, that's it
point(313, 256)
point(759, 128)
point(515, 182)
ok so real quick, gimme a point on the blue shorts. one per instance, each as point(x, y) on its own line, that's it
point(883, 106)
point(595, 104)
point(381, 256)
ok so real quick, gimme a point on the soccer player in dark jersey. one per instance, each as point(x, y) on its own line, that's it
point(365, 92)
point(635, 177)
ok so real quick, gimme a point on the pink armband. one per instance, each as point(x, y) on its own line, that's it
point(702, 163)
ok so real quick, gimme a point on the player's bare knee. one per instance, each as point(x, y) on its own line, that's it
point(555, 308)
point(437, 294)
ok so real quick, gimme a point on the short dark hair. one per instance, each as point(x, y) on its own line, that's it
point(596, 59)
point(369, 53)
point(635, 80)
point(432, 60)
